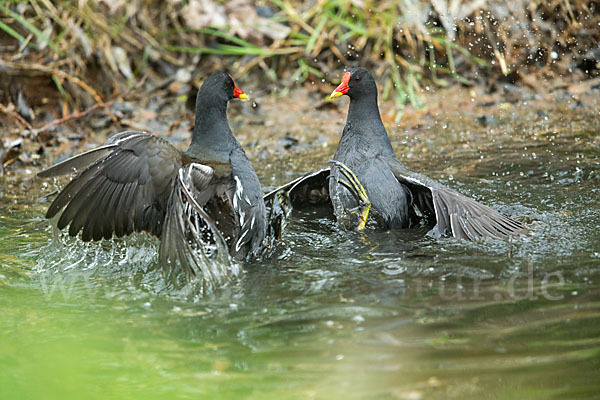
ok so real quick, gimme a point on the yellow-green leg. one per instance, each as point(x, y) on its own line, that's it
point(356, 188)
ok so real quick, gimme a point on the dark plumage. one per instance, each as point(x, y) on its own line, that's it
point(399, 198)
point(139, 182)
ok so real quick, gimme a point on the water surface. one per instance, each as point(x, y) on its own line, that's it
point(334, 314)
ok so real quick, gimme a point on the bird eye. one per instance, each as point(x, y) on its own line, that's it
point(357, 78)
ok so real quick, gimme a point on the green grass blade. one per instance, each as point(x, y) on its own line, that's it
point(11, 32)
point(62, 91)
point(300, 36)
point(315, 34)
point(208, 31)
point(460, 49)
point(448, 71)
point(28, 25)
point(356, 29)
point(228, 50)
point(195, 50)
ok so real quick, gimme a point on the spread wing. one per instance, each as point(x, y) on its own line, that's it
point(190, 236)
point(310, 188)
point(122, 187)
point(455, 215)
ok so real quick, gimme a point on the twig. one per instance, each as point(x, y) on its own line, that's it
point(72, 116)
point(497, 53)
point(82, 114)
point(16, 115)
point(53, 71)
point(59, 74)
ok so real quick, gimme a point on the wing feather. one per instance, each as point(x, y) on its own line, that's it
point(107, 225)
point(281, 200)
point(76, 211)
point(310, 179)
point(456, 215)
point(69, 191)
point(123, 187)
point(77, 162)
point(93, 228)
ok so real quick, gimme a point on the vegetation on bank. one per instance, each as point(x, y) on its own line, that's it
point(88, 51)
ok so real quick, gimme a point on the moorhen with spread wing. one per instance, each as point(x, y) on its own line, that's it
point(372, 178)
point(194, 200)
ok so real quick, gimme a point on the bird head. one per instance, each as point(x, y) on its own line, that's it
point(220, 87)
point(355, 83)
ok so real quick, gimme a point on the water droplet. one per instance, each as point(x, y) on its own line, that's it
point(358, 319)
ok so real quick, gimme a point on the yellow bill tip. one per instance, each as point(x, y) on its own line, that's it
point(335, 94)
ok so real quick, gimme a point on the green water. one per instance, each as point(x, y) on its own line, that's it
point(333, 315)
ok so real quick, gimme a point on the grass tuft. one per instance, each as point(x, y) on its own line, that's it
point(406, 44)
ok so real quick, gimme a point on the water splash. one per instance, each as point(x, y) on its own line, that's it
point(132, 261)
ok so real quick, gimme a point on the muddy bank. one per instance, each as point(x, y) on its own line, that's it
point(303, 124)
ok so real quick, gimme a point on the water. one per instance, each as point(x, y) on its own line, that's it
point(336, 315)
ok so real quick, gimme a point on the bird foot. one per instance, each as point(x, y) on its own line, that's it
point(352, 183)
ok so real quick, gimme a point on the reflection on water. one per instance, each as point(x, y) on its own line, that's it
point(332, 314)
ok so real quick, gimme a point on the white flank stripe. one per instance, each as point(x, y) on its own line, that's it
point(239, 243)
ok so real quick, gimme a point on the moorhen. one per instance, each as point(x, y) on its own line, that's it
point(196, 201)
point(372, 178)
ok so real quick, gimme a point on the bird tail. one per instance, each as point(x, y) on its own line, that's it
point(190, 241)
point(279, 207)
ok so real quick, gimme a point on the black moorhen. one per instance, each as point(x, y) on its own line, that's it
point(399, 198)
point(208, 194)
